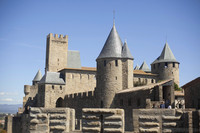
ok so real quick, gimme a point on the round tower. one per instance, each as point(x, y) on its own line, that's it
point(110, 66)
point(166, 65)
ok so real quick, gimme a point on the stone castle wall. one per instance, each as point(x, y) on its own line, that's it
point(103, 120)
point(48, 95)
point(79, 81)
point(50, 120)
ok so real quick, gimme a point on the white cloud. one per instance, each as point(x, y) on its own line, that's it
point(2, 93)
point(7, 100)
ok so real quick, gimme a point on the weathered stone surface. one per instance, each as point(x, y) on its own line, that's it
point(35, 110)
point(57, 116)
point(41, 115)
point(57, 127)
point(151, 130)
point(34, 121)
point(169, 124)
point(147, 124)
point(108, 120)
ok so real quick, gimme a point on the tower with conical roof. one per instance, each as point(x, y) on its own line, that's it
point(37, 77)
point(144, 67)
point(114, 69)
point(166, 65)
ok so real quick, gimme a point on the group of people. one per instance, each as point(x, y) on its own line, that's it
point(167, 105)
point(163, 105)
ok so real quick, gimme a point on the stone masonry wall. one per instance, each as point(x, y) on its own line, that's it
point(56, 52)
point(127, 73)
point(164, 120)
point(49, 94)
point(109, 81)
point(166, 72)
point(79, 81)
point(51, 120)
point(103, 120)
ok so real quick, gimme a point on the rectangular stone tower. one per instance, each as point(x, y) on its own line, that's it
point(56, 52)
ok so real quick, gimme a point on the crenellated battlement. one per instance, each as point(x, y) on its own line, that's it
point(57, 36)
point(80, 95)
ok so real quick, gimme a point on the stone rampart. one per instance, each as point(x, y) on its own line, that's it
point(50, 120)
point(96, 120)
point(164, 120)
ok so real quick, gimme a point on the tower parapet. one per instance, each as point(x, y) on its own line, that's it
point(56, 52)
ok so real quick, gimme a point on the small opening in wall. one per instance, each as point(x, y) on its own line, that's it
point(166, 65)
point(60, 87)
point(173, 64)
point(101, 104)
point(138, 102)
point(52, 86)
point(158, 64)
point(116, 77)
point(152, 81)
point(129, 102)
point(121, 102)
point(116, 62)
point(104, 62)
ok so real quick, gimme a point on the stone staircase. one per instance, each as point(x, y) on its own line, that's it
point(170, 123)
point(149, 124)
point(57, 122)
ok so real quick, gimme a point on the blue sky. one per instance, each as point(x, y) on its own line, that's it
point(145, 24)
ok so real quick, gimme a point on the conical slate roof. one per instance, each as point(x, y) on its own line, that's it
point(166, 55)
point(126, 52)
point(38, 76)
point(112, 46)
point(137, 67)
point(145, 67)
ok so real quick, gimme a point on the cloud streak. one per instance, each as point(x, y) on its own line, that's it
point(7, 100)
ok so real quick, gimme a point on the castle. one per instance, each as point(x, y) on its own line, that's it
point(113, 87)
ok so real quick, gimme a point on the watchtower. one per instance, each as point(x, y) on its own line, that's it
point(113, 64)
point(56, 52)
point(166, 65)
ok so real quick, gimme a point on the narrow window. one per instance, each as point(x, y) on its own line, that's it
point(104, 62)
point(158, 64)
point(101, 104)
point(60, 87)
point(152, 81)
point(116, 62)
point(166, 65)
point(121, 102)
point(52, 86)
point(173, 64)
point(116, 77)
point(129, 102)
point(139, 80)
point(138, 102)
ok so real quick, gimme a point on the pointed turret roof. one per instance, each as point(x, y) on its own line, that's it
point(112, 46)
point(137, 67)
point(38, 76)
point(166, 55)
point(145, 67)
point(126, 52)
